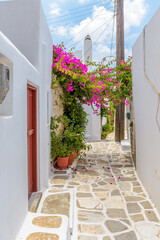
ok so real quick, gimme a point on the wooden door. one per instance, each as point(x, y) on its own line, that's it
point(32, 138)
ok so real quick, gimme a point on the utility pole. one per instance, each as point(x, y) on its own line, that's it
point(119, 119)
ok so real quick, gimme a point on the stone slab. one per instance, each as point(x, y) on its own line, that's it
point(128, 179)
point(57, 186)
point(57, 204)
point(74, 183)
point(151, 216)
point(82, 237)
point(59, 182)
point(146, 205)
point(106, 238)
point(137, 217)
point(101, 194)
point(137, 189)
point(133, 198)
point(59, 177)
point(57, 190)
point(91, 203)
point(124, 186)
point(90, 216)
point(115, 226)
point(133, 208)
point(34, 202)
point(114, 202)
point(115, 192)
point(101, 183)
point(83, 195)
point(91, 229)
point(126, 236)
point(42, 236)
point(83, 188)
point(48, 221)
point(116, 213)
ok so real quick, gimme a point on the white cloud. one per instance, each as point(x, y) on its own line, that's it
point(98, 22)
point(82, 1)
point(54, 9)
point(62, 31)
point(96, 26)
point(135, 11)
point(102, 50)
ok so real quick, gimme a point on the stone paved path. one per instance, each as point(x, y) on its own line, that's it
point(102, 197)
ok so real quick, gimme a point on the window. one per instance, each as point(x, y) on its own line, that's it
point(6, 87)
point(4, 82)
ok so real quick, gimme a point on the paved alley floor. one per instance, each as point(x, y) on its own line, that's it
point(102, 197)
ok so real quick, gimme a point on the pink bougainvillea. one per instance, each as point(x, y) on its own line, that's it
point(104, 85)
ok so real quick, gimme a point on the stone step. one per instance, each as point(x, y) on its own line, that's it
point(125, 146)
point(34, 201)
point(44, 227)
point(58, 201)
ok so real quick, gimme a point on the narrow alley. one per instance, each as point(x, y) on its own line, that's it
point(101, 198)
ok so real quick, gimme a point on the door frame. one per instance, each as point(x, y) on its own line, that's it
point(34, 173)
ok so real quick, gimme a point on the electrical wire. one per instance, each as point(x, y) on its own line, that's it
point(98, 37)
point(77, 8)
point(90, 33)
point(87, 23)
point(69, 19)
point(69, 24)
point(69, 14)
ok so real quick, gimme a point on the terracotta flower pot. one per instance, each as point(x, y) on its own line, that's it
point(71, 158)
point(62, 162)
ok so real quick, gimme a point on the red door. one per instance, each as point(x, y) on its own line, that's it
point(32, 138)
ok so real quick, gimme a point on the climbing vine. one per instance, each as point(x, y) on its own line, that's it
point(98, 88)
point(103, 89)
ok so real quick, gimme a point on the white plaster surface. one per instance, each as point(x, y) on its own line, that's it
point(145, 105)
point(47, 193)
point(125, 145)
point(148, 230)
point(93, 129)
point(29, 228)
point(23, 22)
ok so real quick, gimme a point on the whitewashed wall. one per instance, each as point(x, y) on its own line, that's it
point(24, 23)
point(45, 62)
point(93, 129)
point(13, 143)
point(145, 104)
point(20, 21)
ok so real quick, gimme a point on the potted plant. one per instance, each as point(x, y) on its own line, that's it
point(63, 153)
point(103, 135)
point(60, 147)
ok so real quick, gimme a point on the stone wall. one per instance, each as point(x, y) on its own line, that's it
point(57, 103)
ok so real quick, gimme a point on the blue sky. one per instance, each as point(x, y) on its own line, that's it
point(70, 21)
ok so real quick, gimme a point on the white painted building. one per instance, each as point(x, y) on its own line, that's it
point(146, 72)
point(93, 130)
point(26, 49)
